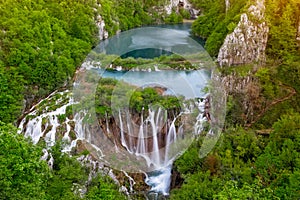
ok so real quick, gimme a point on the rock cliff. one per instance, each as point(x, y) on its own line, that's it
point(99, 21)
point(247, 43)
point(227, 4)
point(176, 4)
point(247, 92)
point(102, 34)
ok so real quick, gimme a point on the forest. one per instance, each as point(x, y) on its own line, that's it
point(43, 42)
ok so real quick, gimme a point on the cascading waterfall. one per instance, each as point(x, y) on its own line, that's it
point(171, 137)
point(32, 124)
point(155, 139)
point(149, 145)
point(44, 123)
point(155, 158)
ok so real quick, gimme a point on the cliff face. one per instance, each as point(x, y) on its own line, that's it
point(102, 34)
point(247, 43)
point(247, 91)
point(99, 21)
point(181, 4)
point(227, 4)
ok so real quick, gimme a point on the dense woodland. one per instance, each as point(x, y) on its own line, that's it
point(43, 42)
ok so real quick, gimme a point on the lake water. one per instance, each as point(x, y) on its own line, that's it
point(187, 83)
point(150, 42)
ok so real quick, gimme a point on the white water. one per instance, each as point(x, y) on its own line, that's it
point(33, 128)
point(159, 158)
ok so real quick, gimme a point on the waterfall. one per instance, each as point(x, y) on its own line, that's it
point(38, 122)
point(141, 145)
point(155, 158)
point(34, 129)
point(44, 123)
point(153, 135)
point(171, 137)
point(123, 141)
point(50, 136)
point(227, 5)
point(156, 138)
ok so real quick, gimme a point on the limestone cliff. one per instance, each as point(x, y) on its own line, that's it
point(227, 4)
point(176, 4)
point(99, 21)
point(247, 43)
point(102, 34)
point(247, 92)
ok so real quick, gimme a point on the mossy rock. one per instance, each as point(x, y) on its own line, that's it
point(72, 124)
point(72, 135)
point(47, 130)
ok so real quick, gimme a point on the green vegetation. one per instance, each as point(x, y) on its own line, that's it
point(163, 62)
point(215, 23)
point(258, 154)
point(130, 14)
point(282, 18)
point(119, 93)
point(245, 165)
point(188, 61)
point(23, 175)
point(43, 42)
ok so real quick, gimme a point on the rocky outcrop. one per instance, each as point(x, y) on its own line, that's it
point(99, 21)
point(175, 4)
point(247, 93)
point(102, 34)
point(247, 43)
point(227, 4)
point(182, 4)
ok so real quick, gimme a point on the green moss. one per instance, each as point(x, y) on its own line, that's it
point(240, 70)
point(30, 117)
point(72, 135)
point(61, 118)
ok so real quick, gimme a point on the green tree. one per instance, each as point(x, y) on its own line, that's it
point(22, 174)
point(102, 187)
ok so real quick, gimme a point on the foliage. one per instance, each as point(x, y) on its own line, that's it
point(164, 62)
point(130, 14)
point(66, 173)
point(41, 45)
point(282, 17)
point(127, 96)
point(11, 87)
point(245, 165)
point(215, 24)
point(43, 42)
point(104, 188)
point(173, 18)
point(23, 175)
